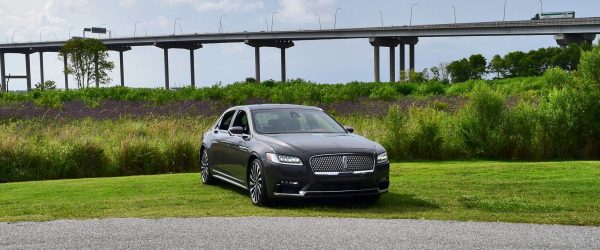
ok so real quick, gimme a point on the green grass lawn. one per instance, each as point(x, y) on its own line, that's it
point(553, 193)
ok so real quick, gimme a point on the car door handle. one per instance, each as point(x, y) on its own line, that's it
point(243, 148)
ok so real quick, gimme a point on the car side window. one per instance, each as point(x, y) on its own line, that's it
point(241, 120)
point(226, 120)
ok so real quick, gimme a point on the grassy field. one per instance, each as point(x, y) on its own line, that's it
point(551, 193)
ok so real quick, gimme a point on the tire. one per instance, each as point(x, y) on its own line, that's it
point(257, 186)
point(205, 174)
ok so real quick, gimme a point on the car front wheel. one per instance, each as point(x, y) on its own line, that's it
point(257, 185)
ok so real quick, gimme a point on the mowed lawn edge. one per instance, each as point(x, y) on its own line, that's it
point(546, 192)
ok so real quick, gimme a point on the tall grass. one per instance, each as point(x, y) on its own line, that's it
point(35, 150)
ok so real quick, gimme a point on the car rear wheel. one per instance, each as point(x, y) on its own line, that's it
point(257, 185)
point(205, 175)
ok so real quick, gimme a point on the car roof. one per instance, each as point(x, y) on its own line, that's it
point(276, 106)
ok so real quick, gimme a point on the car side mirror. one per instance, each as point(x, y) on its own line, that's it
point(236, 130)
point(349, 129)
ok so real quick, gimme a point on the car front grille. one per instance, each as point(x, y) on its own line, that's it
point(341, 163)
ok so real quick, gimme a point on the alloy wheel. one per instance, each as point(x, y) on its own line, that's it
point(255, 183)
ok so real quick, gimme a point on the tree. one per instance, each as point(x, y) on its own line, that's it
point(47, 85)
point(498, 66)
point(459, 70)
point(84, 56)
point(478, 65)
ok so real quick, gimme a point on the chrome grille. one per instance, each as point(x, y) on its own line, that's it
point(335, 163)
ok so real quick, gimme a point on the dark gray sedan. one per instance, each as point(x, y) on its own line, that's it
point(279, 150)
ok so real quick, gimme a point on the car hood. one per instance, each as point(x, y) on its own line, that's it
point(322, 143)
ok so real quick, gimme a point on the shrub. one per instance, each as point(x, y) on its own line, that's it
point(518, 132)
point(406, 88)
point(479, 121)
point(140, 157)
point(384, 92)
point(589, 67)
point(181, 155)
point(425, 140)
point(84, 160)
point(395, 139)
point(558, 78)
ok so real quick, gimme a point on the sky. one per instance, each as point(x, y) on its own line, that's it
point(319, 61)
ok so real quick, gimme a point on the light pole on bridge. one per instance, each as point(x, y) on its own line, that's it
point(175, 26)
point(381, 17)
point(454, 9)
point(335, 18)
point(273, 17)
point(221, 23)
point(135, 27)
point(411, 12)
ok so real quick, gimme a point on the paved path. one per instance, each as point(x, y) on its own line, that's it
point(291, 233)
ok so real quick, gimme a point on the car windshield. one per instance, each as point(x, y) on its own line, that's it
point(286, 121)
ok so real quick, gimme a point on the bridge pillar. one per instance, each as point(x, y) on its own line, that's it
point(412, 57)
point(565, 39)
point(121, 69)
point(391, 43)
point(65, 62)
point(192, 69)
point(281, 44)
point(191, 46)
point(28, 70)
point(166, 61)
point(402, 62)
point(376, 63)
point(392, 64)
point(283, 68)
point(41, 67)
point(3, 87)
point(257, 64)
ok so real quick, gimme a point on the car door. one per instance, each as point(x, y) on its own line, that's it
point(218, 153)
point(239, 146)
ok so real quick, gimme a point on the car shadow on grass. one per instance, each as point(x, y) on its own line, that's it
point(388, 202)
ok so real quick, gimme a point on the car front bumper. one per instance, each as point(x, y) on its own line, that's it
point(300, 181)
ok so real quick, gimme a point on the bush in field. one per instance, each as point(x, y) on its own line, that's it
point(181, 155)
point(20, 162)
point(140, 157)
point(384, 92)
point(84, 160)
point(569, 118)
point(480, 119)
point(396, 136)
point(589, 68)
point(517, 132)
point(558, 78)
point(424, 133)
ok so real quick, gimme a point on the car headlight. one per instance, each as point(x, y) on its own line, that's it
point(284, 159)
point(382, 158)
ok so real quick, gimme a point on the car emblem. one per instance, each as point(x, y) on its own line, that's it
point(345, 162)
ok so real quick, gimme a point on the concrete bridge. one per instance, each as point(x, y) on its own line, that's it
point(566, 31)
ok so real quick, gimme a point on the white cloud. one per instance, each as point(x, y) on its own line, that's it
point(305, 11)
point(223, 5)
point(31, 17)
point(127, 3)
